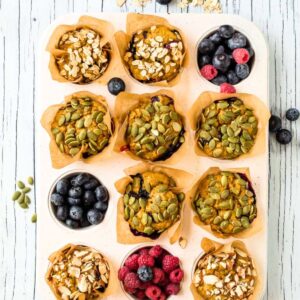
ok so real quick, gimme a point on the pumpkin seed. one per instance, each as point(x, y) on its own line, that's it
point(161, 150)
point(21, 198)
point(20, 184)
point(26, 190)
point(148, 230)
point(74, 151)
point(245, 222)
point(30, 180)
point(34, 218)
point(61, 120)
point(16, 195)
point(217, 220)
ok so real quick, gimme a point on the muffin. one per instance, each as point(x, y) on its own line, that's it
point(226, 128)
point(225, 273)
point(80, 129)
point(81, 53)
point(78, 272)
point(154, 129)
point(226, 202)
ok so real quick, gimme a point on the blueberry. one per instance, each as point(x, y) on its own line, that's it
point(274, 123)
point(226, 31)
point(75, 192)
point(101, 193)
point(283, 136)
point(206, 46)
point(203, 60)
point(232, 77)
point(238, 40)
point(220, 50)
point(62, 213)
point(74, 201)
point(57, 199)
point(102, 206)
point(76, 213)
point(219, 80)
point(242, 71)
point(221, 62)
point(72, 224)
point(91, 184)
point(62, 186)
point(88, 198)
point(84, 222)
point(251, 51)
point(94, 216)
point(292, 114)
point(80, 179)
point(216, 38)
point(116, 85)
point(163, 2)
point(145, 273)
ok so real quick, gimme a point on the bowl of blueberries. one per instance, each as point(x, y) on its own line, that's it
point(78, 200)
point(225, 55)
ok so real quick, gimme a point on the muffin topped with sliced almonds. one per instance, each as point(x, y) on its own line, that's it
point(226, 202)
point(84, 56)
point(226, 129)
point(78, 272)
point(152, 204)
point(225, 275)
point(82, 125)
point(155, 130)
point(155, 54)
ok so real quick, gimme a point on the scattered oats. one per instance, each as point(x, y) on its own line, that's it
point(182, 242)
point(209, 6)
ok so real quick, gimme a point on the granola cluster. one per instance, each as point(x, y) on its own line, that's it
point(85, 58)
point(222, 276)
point(78, 272)
point(155, 54)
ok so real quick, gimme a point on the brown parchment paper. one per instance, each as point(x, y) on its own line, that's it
point(254, 227)
point(261, 112)
point(210, 247)
point(106, 31)
point(182, 179)
point(68, 249)
point(136, 22)
point(59, 159)
point(126, 102)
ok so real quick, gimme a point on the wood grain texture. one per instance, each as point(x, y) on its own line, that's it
point(21, 24)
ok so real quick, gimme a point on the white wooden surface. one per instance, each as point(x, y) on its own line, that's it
point(21, 24)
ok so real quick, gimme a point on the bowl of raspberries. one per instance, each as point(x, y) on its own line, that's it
point(225, 56)
point(150, 273)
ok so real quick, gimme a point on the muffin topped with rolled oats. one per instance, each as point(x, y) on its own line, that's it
point(84, 57)
point(225, 275)
point(155, 54)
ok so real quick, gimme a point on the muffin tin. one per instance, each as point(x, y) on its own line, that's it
point(51, 235)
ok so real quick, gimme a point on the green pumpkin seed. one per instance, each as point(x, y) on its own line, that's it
point(154, 208)
point(237, 229)
point(162, 217)
point(224, 180)
point(135, 221)
point(30, 180)
point(20, 184)
point(238, 212)
point(212, 144)
point(172, 209)
point(227, 215)
point(61, 120)
point(217, 220)
point(21, 198)
point(74, 151)
point(181, 196)
point(245, 222)
point(176, 126)
point(161, 128)
point(142, 202)
point(82, 134)
point(103, 143)
point(127, 213)
point(24, 205)
point(26, 190)
point(165, 119)
point(225, 194)
point(161, 150)
point(59, 138)
point(16, 195)
point(75, 116)
point(217, 152)
point(155, 217)
point(27, 200)
point(144, 219)
point(99, 118)
point(34, 218)
point(246, 210)
point(148, 230)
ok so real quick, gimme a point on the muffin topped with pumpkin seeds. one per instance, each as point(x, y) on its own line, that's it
point(82, 125)
point(155, 130)
point(155, 54)
point(226, 129)
point(152, 203)
point(226, 202)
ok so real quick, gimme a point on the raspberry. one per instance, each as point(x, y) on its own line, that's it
point(144, 251)
point(172, 289)
point(170, 263)
point(156, 251)
point(145, 285)
point(176, 275)
point(209, 72)
point(227, 88)
point(129, 290)
point(241, 55)
point(123, 272)
point(132, 281)
point(162, 296)
point(146, 260)
point(132, 262)
point(153, 292)
point(158, 275)
point(140, 294)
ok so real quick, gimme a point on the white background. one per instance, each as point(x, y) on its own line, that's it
point(21, 24)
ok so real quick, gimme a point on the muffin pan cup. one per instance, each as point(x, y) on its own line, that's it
point(51, 235)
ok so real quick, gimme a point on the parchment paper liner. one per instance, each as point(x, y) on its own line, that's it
point(254, 227)
point(136, 22)
point(261, 112)
point(59, 159)
point(210, 246)
point(112, 283)
point(125, 102)
point(106, 31)
point(182, 179)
